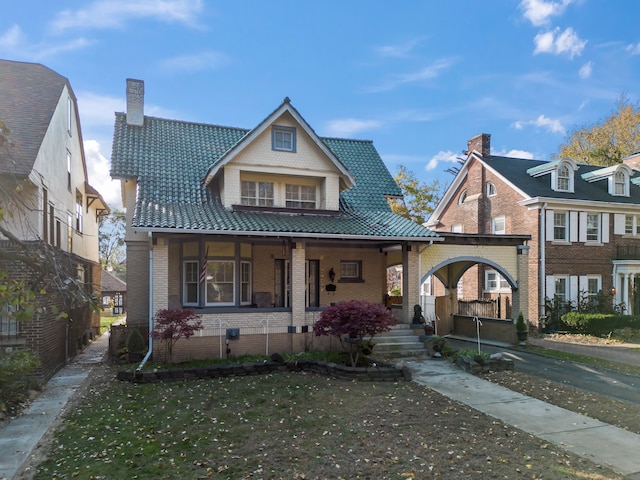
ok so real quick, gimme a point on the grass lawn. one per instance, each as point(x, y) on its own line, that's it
point(290, 426)
point(107, 319)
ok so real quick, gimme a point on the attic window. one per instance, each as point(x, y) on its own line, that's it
point(283, 138)
point(491, 189)
point(462, 197)
point(620, 184)
point(563, 179)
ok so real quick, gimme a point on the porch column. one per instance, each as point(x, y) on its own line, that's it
point(410, 281)
point(521, 295)
point(160, 276)
point(625, 291)
point(298, 284)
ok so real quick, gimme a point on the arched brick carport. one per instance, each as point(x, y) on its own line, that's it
point(448, 260)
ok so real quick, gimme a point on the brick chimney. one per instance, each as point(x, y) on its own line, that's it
point(480, 143)
point(135, 102)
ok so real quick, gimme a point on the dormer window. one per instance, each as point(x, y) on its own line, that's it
point(620, 183)
point(283, 138)
point(257, 193)
point(300, 196)
point(563, 179)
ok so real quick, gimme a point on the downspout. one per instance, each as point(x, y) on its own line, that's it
point(150, 350)
point(542, 287)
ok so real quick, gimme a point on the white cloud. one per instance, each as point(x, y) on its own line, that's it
point(196, 62)
point(514, 154)
point(115, 13)
point(440, 157)
point(558, 43)
point(98, 171)
point(546, 123)
point(586, 70)
point(427, 73)
point(349, 126)
point(396, 51)
point(634, 49)
point(12, 37)
point(99, 110)
point(538, 12)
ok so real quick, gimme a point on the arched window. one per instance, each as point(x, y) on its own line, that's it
point(491, 189)
point(462, 197)
point(564, 178)
point(620, 183)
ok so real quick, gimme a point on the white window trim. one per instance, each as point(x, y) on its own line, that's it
point(494, 221)
point(491, 189)
point(499, 288)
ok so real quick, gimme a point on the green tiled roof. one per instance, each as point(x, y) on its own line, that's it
point(169, 159)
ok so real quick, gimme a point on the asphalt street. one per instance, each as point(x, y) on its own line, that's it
point(609, 383)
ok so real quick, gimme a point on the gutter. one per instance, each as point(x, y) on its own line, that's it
point(435, 238)
point(541, 249)
point(150, 350)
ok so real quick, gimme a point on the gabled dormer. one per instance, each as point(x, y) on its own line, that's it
point(561, 174)
point(280, 164)
point(617, 177)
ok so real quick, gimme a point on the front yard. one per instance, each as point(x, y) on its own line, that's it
point(290, 426)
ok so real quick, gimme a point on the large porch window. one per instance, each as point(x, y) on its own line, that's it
point(216, 274)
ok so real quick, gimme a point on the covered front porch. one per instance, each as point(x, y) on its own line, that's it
point(260, 295)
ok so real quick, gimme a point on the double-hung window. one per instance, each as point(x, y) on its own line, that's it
point(631, 225)
point(620, 184)
point(300, 196)
point(561, 291)
point(78, 212)
point(257, 193)
point(495, 282)
point(191, 288)
point(593, 227)
point(498, 225)
point(564, 178)
point(560, 226)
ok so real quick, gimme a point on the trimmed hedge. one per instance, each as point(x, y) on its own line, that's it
point(598, 324)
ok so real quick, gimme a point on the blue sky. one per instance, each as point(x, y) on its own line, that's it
point(417, 77)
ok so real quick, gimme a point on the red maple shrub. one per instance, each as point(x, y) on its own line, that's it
point(173, 324)
point(355, 323)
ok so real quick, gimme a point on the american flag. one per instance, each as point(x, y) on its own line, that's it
point(203, 270)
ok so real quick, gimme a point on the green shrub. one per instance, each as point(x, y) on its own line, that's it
point(136, 342)
point(598, 324)
point(15, 379)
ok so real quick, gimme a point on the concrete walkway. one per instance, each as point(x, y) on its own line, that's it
point(21, 435)
point(590, 439)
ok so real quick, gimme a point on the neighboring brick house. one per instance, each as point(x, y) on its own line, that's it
point(584, 221)
point(48, 205)
point(258, 229)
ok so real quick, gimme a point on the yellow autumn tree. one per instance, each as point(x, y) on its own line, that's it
point(420, 198)
point(607, 141)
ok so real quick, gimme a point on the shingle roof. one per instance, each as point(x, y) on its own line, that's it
point(111, 283)
point(515, 171)
point(170, 159)
point(29, 95)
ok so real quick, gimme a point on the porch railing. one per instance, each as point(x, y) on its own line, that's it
point(627, 252)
